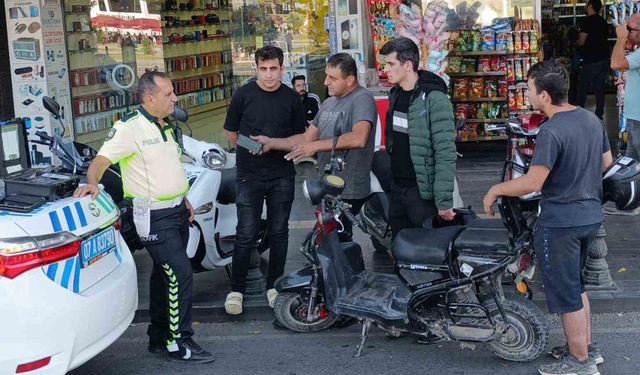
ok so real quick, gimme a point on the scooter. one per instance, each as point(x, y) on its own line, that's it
point(447, 281)
point(211, 174)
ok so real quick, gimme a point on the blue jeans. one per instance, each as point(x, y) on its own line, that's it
point(250, 196)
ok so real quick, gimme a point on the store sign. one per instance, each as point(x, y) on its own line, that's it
point(347, 26)
point(38, 60)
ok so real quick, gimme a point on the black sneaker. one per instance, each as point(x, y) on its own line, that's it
point(190, 352)
point(429, 339)
point(560, 352)
point(157, 349)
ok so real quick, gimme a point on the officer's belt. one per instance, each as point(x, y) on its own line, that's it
point(166, 204)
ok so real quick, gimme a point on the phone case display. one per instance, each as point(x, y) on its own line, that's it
point(488, 67)
point(197, 52)
point(38, 68)
point(390, 18)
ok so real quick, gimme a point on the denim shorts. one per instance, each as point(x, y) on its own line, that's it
point(562, 254)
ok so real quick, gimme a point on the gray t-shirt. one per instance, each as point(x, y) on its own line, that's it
point(571, 145)
point(359, 105)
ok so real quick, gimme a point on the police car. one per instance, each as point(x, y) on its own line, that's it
point(68, 286)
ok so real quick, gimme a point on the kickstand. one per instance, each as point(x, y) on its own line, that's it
point(363, 337)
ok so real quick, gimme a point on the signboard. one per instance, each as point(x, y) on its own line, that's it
point(37, 54)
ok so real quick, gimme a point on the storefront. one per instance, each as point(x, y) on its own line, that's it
point(87, 54)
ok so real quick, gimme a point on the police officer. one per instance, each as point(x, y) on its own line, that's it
point(144, 142)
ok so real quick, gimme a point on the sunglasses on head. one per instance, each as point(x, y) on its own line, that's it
point(630, 29)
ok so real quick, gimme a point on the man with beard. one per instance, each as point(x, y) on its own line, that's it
point(310, 102)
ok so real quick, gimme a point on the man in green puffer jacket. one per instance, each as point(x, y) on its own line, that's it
point(420, 138)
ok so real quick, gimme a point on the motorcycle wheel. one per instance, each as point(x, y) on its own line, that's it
point(291, 312)
point(527, 336)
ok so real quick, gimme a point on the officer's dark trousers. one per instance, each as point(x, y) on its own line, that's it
point(171, 281)
point(250, 195)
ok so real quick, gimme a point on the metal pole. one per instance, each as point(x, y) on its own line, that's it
point(596, 273)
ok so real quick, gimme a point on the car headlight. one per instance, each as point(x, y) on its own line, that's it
point(214, 159)
point(313, 191)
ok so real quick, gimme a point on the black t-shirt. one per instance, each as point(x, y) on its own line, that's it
point(403, 173)
point(311, 107)
point(570, 145)
point(276, 114)
point(595, 48)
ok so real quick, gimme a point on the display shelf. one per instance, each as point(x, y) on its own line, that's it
point(486, 120)
point(478, 74)
point(102, 110)
point(200, 108)
point(477, 53)
point(478, 100)
point(483, 139)
point(202, 89)
point(198, 71)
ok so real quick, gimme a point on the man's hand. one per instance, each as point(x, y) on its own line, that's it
point(448, 215)
point(621, 32)
point(88, 189)
point(488, 201)
point(301, 151)
point(192, 212)
point(267, 142)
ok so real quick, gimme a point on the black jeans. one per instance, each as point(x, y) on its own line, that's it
point(347, 226)
point(593, 75)
point(407, 209)
point(250, 196)
point(171, 281)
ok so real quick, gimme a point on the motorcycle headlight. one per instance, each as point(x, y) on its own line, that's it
point(313, 191)
point(214, 159)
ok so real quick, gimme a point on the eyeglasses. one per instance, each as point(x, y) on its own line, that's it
point(630, 29)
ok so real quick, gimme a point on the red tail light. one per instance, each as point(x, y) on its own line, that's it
point(26, 367)
point(19, 255)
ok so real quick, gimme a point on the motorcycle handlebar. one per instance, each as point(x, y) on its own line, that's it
point(44, 135)
point(40, 142)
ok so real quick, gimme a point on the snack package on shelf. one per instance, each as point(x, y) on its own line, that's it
point(461, 88)
point(491, 88)
point(476, 87)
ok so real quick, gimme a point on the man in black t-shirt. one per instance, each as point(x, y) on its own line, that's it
point(263, 107)
point(592, 43)
point(572, 150)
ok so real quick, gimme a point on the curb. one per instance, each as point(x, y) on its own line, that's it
point(601, 302)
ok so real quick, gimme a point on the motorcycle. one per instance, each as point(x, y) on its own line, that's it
point(210, 171)
point(447, 280)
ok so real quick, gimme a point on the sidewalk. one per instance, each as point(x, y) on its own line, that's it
point(477, 171)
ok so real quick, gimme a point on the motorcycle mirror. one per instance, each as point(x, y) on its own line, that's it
point(51, 106)
point(180, 114)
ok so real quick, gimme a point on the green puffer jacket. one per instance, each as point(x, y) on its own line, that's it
point(431, 138)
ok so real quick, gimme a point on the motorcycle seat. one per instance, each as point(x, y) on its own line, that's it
point(484, 240)
point(424, 245)
point(227, 191)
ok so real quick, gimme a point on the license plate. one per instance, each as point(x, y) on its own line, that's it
point(96, 247)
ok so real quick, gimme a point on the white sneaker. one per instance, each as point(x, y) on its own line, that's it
point(613, 211)
point(271, 297)
point(233, 304)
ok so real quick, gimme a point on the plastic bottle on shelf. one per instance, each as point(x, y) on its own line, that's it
point(362, 71)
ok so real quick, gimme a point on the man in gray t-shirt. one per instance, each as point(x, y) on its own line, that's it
point(354, 109)
point(572, 150)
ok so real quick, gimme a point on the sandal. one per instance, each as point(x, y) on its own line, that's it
point(233, 304)
point(271, 297)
